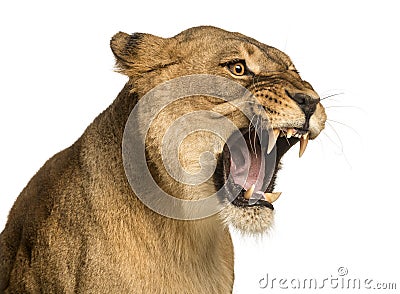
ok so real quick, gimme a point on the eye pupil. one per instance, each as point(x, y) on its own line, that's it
point(238, 69)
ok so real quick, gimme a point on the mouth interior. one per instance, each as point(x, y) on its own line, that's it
point(248, 167)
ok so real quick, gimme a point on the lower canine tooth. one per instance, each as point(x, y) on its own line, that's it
point(249, 192)
point(271, 197)
point(303, 144)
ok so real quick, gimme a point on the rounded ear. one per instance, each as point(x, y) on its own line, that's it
point(124, 47)
point(138, 53)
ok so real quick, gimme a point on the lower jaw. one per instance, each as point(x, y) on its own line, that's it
point(243, 202)
point(252, 220)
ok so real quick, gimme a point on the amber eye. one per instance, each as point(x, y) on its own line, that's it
point(237, 68)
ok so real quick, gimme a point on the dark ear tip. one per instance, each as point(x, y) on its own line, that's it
point(123, 44)
point(133, 41)
point(129, 49)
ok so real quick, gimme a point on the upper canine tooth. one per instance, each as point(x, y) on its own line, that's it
point(249, 192)
point(290, 133)
point(272, 140)
point(272, 197)
point(303, 144)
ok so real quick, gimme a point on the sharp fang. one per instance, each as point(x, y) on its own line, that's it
point(249, 192)
point(303, 144)
point(290, 133)
point(272, 197)
point(272, 140)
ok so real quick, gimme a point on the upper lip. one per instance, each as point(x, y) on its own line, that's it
point(301, 134)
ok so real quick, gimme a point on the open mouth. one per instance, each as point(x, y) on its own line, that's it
point(250, 162)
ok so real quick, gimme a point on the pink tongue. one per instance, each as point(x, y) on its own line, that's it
point(247, 168)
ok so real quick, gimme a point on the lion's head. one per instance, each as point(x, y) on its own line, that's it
point(284, 110)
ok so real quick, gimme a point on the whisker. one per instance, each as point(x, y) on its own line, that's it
point(338, 137)
point(287, 140)
point(261, 130)
point(249, 132)
point(254, 125)
point(255, 136)
point(332, 95)
point(343, 124)
point(330, 139)
point(341, 148)
point(344, 106)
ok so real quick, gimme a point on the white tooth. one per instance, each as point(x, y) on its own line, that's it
point(272, 197)
point(303, 144)
point(290, 133)
point(272, 140)
point(249, 192)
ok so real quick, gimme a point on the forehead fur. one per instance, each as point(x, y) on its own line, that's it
point(200, 46)
point(232, 45)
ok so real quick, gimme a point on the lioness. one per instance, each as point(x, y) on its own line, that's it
point(78, 225)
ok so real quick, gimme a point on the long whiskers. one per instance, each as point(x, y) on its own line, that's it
point(341, 145)
point(337, 136)
point(255, 135)
point(343, 124)
point(332, 95)
point(251, 124)
point(344, 106)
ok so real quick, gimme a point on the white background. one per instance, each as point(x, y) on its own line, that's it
point(340, 201)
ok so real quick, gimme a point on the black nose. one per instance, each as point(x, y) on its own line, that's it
point(307, 103)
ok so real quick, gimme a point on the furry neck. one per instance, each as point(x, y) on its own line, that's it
point(193, 240)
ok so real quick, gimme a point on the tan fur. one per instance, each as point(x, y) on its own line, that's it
point(78, 227)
